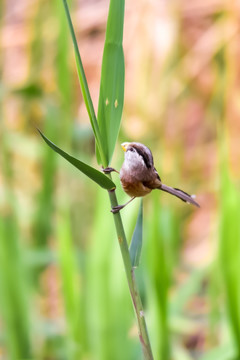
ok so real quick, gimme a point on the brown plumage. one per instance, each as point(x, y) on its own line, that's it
point(139, 177)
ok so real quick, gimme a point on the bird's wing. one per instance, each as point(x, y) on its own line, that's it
point(158, 177)
point(154, 182)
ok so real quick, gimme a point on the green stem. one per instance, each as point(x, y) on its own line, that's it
point(143, 335)
point(137, 303)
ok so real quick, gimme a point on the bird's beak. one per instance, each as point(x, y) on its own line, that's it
point(125, 145)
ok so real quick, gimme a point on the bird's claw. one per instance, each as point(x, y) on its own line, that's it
point(116, 209)
point(108, 170)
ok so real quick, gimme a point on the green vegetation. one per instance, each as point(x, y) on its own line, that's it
point(64, 286)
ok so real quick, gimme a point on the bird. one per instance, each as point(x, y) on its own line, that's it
point(139, 177)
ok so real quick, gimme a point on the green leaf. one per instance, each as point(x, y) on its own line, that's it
point(136, 243)
point(92, 173)
point(229, 240)
point(30, 90)
point(85, 90)
point(112, 79)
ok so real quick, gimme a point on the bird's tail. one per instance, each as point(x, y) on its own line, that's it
point(179, 193)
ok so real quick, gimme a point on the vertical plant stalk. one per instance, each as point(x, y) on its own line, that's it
point(137, 303)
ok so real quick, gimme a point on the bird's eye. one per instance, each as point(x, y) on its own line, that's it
point(131, 149)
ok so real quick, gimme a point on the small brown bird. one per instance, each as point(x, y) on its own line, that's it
point(139, 177)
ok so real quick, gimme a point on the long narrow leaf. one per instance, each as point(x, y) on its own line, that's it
point(85, 90)
point(112, 79)
point(92, 173)
point(136, 243)
point(13, 296)
point(229, 250)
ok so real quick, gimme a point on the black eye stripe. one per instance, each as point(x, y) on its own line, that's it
point(143, 155)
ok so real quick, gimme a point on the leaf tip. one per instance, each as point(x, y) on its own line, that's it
point(38, 130)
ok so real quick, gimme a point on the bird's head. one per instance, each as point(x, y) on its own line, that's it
point(137, 154)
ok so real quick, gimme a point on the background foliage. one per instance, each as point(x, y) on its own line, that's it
point(63, 292)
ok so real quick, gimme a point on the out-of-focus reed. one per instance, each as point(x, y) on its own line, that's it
point(59, 298)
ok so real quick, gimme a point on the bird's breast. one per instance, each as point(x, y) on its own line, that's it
point(134, 188)
point(135, 180)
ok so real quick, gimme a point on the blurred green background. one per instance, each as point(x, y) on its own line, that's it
point(63, 292)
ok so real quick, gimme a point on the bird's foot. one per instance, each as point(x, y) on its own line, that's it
point(116, 209)
point(108, 170)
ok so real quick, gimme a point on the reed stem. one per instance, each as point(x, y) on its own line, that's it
point(129, 270)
